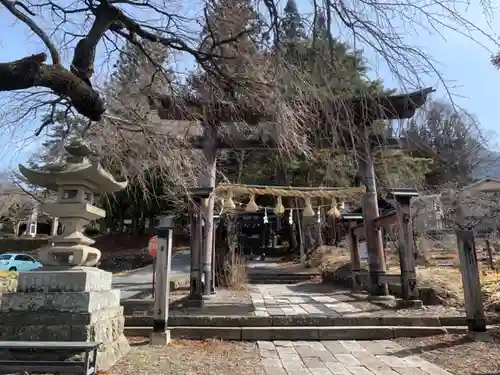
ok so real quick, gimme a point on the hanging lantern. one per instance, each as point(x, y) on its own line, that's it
point(319, 215)
point(252, 206)
point(266, 219)
point(279, 209)
point(308, 211)
point(205, 202)
point(333, 211)
point(229, 203)
point(290, 217)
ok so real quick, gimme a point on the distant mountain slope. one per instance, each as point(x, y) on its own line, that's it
point(489, 166)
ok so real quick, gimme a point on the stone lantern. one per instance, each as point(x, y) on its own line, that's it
point(77, 182)
point(68, 299)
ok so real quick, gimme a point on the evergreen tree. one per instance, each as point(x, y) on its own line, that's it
point(222, 76)
point(292, 27)
point(66, 128)
point(140, 73)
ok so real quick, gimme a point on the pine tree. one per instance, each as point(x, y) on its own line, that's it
point(292, 26)
point(140, 72)
point(66, 128)
point(221, 77)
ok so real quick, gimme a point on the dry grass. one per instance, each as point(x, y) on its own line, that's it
point(328, 258)
point(187, 357)
point(441, 273)
point(457, 353)
point(234, 274)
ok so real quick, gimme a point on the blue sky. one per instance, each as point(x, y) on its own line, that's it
point(465, 65)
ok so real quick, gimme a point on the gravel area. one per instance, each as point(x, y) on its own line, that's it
point(190, 358)
point(458, 354)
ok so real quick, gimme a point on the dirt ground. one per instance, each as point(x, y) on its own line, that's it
point(458, 354)
point(183, 357)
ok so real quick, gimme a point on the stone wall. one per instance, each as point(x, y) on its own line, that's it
point(21, 245)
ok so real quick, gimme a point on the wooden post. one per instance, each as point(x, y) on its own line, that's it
point(301, 233)
point(470, 278)
point(373, 236)
point(212, 291)
point(55, 226)
point(195, 298)
point(405, 245)
point(355, 261)
point(201, 243)
point(469, 270)
point(194, 245)
point(153, 282)
point(490, 254)
point(207, 180)
point(161, 334)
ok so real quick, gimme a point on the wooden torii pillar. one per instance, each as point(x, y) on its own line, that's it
point(195, 298)
point(407, 257)
point(376, 260)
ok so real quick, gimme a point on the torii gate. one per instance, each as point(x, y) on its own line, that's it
point(360, 112)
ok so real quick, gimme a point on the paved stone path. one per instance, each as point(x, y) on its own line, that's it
point(325, 300)
point(270, 299)
point(382, 357)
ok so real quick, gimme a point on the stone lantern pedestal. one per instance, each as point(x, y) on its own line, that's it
point(72, 304)
point(68, 299)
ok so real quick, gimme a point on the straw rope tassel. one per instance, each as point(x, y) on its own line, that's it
point(279, 209)
point(308, 211)
point(252, 206)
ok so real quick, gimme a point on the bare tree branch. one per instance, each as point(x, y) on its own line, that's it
point(11, 7)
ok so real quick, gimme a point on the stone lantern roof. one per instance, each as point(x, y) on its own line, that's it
point(80, 167)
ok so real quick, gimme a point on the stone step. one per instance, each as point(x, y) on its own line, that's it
point(298, 333)
point(280, 279)
point(274, 281)
point(304, 321)
point(297, 276)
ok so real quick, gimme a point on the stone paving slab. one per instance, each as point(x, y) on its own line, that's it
point(323, 300)
point(342, 357)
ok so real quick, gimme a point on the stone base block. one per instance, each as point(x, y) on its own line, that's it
point(76, 302)
point(58, 279)
point(111, 353)
point(105, 327)
point(410, 304)
point(386, 297)
point(104, 330)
